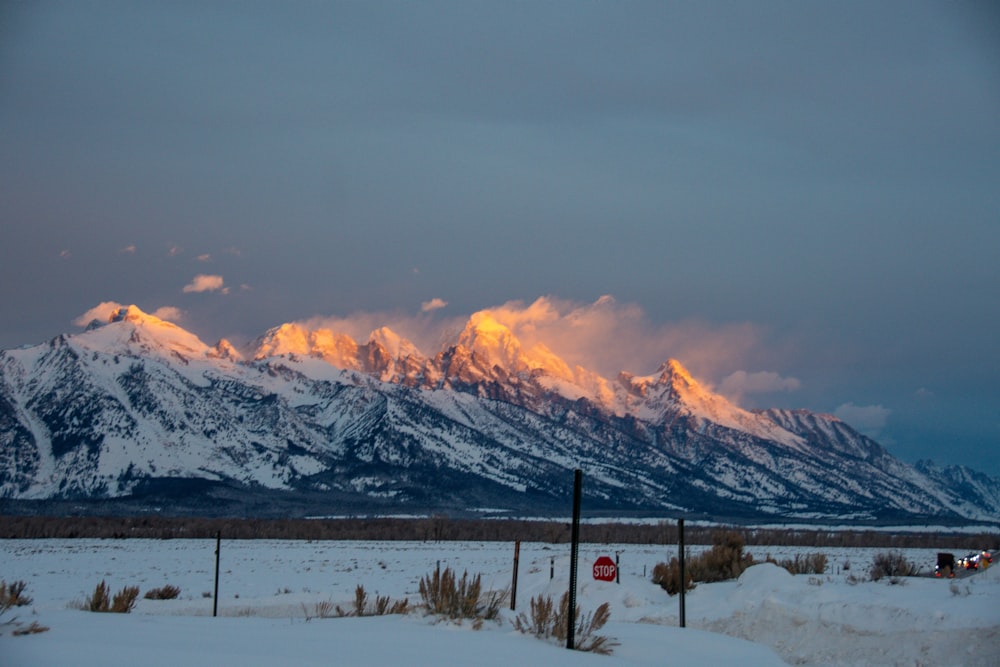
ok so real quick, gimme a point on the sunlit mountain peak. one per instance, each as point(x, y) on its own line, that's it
point(225, 350)
point(484, 335)
point(397, 346)
point(129, 328)
point(288, 338)
point(336, 348)
point(494, 344)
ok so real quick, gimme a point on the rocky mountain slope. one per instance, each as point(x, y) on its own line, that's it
point(311, 421)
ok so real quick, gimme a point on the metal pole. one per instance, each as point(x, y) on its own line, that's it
point(618, 570)
point(513, 586)
point(552, 567)
point(571, 620)
point(680, 547)
point(215, 598)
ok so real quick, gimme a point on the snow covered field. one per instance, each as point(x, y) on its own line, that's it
point(268, 588)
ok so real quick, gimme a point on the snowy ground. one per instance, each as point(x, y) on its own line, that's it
point(268, 588)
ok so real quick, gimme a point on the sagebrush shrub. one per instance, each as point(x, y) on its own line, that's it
point(807, 564)
point(124, 600)
point(668, 576)
point(444, 594)
point(725, 560)
point(892, 564)
point(101, 600)
point(548, 621)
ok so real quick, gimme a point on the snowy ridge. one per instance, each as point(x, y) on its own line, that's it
point(137, 402)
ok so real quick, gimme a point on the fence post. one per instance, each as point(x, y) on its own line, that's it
point(513, 586)
point(215, 597)
point(571, 620)
point(680, 546)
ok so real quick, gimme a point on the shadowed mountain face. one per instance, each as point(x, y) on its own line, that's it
point(137, 408)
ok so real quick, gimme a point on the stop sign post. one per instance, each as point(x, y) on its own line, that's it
point(605, 569)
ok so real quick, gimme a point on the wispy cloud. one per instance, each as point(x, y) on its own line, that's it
point(206, 283)
point(174, 250)
point(206, 257)
point(127, 250)
point(101, 312)
point(608, 336)
point(169, 313)
point(869, 419)
point(740, 383)
point(65, 254)
point(605, 336)
point(433, 304)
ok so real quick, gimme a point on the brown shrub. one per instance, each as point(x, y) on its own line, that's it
point(124, 600)
point(892, 564)
point(547, 621)
point(167, 592)
point(808, 564)
point(668, 576)
point(445, 595)
point(100, 600)
point(725, 560)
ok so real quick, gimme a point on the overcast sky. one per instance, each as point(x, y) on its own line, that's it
point(798, 200)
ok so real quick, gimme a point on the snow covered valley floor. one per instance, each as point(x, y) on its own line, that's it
point(269, 591)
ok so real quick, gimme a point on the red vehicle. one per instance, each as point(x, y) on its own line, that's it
point(976, 560)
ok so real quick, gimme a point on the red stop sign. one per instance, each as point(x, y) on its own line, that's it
point(605, 569)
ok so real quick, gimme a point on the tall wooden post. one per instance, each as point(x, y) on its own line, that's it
point(215, 598)
point(574, 555)
point(680, 558)
point(513, 585)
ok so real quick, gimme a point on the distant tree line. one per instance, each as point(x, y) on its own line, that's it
point(445, 529)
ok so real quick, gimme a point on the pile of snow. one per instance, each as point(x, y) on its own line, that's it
point(268, 588)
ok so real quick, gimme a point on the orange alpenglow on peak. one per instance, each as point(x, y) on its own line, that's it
point(497, 345)
point(336, 348)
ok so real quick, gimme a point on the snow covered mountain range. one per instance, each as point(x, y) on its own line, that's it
point(311, 421)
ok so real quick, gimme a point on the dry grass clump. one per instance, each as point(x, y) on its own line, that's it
point(101, 600)
point(363, 606)
point(12, 595)
point(725, 560)
point(548, 621)
point(381, 606)
point(808, 564)
point(32, 629)
point(167, 592)
point(445, 595)
point(321, 609)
